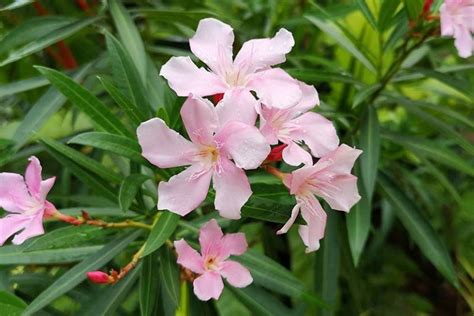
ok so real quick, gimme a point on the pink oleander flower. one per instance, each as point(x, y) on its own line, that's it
point(213, 264)
point(457, 20)
point(250, 70)
point(331, 179)
point(218, 134)
point(296, 125)
point(25, 201)
point(99, 277)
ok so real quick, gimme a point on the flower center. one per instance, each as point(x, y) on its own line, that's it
point(211, 263)
point(235, 78)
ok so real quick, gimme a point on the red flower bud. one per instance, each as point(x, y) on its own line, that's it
point(99, 277)
point(276, 153)
point(216, 98)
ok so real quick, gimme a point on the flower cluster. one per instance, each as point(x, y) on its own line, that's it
point(457, 20)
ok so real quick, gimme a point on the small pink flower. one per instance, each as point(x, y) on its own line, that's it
point(218, 134)
point(250, 70)
point(457, 20)
point(331, 179)
point(25, 200)
point(99, 277)
point(296, 125)
point(212, 264)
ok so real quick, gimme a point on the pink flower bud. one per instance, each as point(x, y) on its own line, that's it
point(99, 277)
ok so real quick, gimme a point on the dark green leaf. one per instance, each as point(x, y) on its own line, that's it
point(149, 285)
point(10, 305)
point(14, 255)
point(22, 86)
point(16, 4)
point(364, 94)
point(367, 13)
point(259, 301)
point(65, 237)
point(162, 230)
point(358, 225)
point(369, 142)
point(169, 275)
point(414, 8)
point(129, 189)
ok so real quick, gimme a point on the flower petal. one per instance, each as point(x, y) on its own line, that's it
point(33, 176)
point(294, 214)
point(184, 77)
point(200, 119)
point(261, 53)
point(10, 225)
point(315, 218)
point(346, 196)
point(236, 274)
point(317, 132)
point(209, 285)
point(232, 189)
point(233, 245)
point(464, 41)
point(212, 43)
point(189, 257)
point(14, 196)
point(185, 191)
point(32, 229)
point(46, 186)
point(339, 161)
point(164, 147)
point(275, 88)
point(210, 236)
point(244, 143)
point(309, 99)
point(237, 105)
point(294, 155)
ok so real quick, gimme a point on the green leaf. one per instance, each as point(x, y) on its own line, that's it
point(169, 275)
point(11, 305)
point(267, 210)
point(129, 189)
point(386, 13)
point(83, 160)
point(364, 94)
point(367, 13)
point(129, 36)
point(64, 237)
point(16, 4)
point(22, 86)
point(434, 150)
point(120, 145)
point(189, 18)
point(110, 298)
point(322, 76)
point(369, 142)
point(48, 104)
point(14, 255)
point(259, 301)
point(127, 77)
point(85, 101)
point(419, 228)
point(77, 274)
point(338, 35)
point(462, 86)
point(149, 281)
point(42, 42)
point(414, 8)
point(162, 230)
point(358, 225)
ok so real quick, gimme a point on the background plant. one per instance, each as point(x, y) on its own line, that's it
point(385, 77)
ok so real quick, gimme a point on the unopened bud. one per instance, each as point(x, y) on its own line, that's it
point(99, 277)
point(276, 153)
point(216, 98)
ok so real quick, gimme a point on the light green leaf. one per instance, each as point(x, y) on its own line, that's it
point(419, 228)
point(16, 4)
point(414, 8)
point(129, 189)
point(367, 13)
point(85, 101)
point(22, 86)
point(77, 274)
point(42, 42)
point(338, 35)
point(11, 305)
point(162, 230)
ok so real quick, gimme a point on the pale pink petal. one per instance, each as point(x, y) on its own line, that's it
point(297, 178)
point(46, 186)
point(294, 214)
point(236, 274)
point(33, 176)
point(237, 105)
point(232, 189)
point(275, 88)
point(32, 229)
point(261, 53)
point(14, 196)
point(294, 155)
point(200, 119)
point(233, 245)
point(267, 129)
point(309, 99)
point(315, 218)
point(342, 194)
point(317, 132)
point(184, 77)
point(11, 224)
point(185, 191)
point(209, 285)
point(464, 41)
point(447, 23)
point(244, 143)
point(339, 161)
point(188, 257)
point(212, 43)
point(164, 147)
point(210, 236)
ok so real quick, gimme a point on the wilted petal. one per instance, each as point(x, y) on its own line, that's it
point(244, 143)
point(200, 119)
point(275, 88)
point(237, 105)
point(163, 146)
point(185, 191)
point(261, 53)
point(14, 196)
point(209, 285)
point(11, 224)
point(212, 43)
point(232, 189)
point(294, 155)
point(185, 78)
point(236, 274)
point(233, 245)
point(188, 257)
point(33, 228)
point(210, 236)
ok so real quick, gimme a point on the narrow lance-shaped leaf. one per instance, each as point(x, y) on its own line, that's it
point(162, 230)
point(369, 142)
point(149, 282)
point(259, 301)
point(129, 189)
point(367, 13)
point(13, 255)
point(169, 275)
